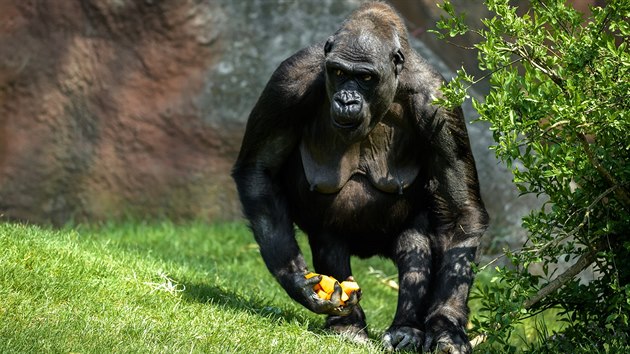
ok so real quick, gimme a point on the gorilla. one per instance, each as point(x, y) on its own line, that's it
point(346, 143)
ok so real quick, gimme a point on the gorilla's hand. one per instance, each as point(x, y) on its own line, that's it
point(301, 290)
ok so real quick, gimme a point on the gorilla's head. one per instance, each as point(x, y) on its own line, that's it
point(363, 61)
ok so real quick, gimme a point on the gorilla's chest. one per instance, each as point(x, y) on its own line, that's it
point(386, 157)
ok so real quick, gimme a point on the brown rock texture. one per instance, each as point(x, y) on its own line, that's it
point(117, 108)
point(99, 112)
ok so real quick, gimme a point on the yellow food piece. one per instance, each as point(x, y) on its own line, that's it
point(344, 297)
point(323, 295)
point(349, 286)
point(326, 287)
point(310, 275)
point(328, 284)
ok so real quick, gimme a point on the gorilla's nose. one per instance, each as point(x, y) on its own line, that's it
point(348, 98)
point(347, 107)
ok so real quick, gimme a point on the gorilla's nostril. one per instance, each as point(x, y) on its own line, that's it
point(348, 102)
point(348, 109)
point(347, 98)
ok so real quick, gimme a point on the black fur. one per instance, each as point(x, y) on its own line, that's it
point(345, 142)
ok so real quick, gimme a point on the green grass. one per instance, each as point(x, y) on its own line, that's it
point(159, 288)
point(162, 288)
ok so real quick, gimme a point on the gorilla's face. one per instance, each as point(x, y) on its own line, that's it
point(361, 81)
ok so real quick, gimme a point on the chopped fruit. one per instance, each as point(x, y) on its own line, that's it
point(344, 297)
point(323, 295)
point(326, 287)
point(328, 284)
point(348, 287)
point(310, 275)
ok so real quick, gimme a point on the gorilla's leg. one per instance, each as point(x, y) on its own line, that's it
point(412, 254)
point(331, 257)
point(447, 317)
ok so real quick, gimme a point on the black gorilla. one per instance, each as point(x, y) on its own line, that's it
point(345, 142)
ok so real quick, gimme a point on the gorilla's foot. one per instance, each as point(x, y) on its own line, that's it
point(447, 342)
point(349, 327)
point(403, 338)
point(444, 336)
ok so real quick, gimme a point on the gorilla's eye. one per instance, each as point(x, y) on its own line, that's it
point(366, 77)
point(338, 72)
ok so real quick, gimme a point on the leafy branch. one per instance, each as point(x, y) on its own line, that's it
point(558, 106)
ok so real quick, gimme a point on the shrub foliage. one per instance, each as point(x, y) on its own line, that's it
point(559, 108)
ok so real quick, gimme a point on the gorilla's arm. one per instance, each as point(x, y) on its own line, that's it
point(272, 133)
point(270, 136)
point(457, 214)
point(461, 219)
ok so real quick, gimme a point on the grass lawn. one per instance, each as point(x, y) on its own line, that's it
point(162, 287)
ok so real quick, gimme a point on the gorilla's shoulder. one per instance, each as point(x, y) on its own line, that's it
point(420, 76)
point(301, 73)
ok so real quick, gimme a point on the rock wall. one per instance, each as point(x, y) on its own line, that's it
point(100, 111)
point(136, 108)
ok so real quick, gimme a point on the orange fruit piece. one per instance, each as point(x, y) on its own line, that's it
point(323, 295)
point(326, 287)
point(344, 298)
point(349, 286)
point(328, 284)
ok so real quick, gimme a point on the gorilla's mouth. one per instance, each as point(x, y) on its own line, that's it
point(346, 125)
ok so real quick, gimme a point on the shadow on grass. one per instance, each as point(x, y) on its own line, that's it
point(209, 294)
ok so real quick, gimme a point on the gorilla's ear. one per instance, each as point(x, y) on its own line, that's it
point(329, 44)
point(399, 60)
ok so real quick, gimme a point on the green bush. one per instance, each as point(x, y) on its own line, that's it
point(559, 108)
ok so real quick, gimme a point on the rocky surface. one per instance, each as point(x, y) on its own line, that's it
point(100, 111)
point(115, 108)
